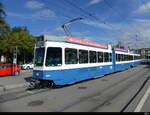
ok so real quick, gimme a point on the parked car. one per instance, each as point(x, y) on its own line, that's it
point(27, 66)
point(9, 69)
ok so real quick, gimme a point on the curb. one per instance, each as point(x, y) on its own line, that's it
point(9, 87)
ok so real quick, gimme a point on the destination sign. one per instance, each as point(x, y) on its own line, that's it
point(122, 50)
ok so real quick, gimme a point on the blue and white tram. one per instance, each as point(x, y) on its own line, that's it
point(124, 59)
point(66, 60)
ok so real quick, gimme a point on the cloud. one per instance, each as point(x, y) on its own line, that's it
point(45, 14)
point(145, 8)
point(92, 2)
point(137, 37)
point(55, 31)
point(34, 4)
point(97, 24)
point(103, 25)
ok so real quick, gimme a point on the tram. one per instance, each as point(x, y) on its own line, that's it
point(66, 60)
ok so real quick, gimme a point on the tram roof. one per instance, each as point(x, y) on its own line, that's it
point(71, 40)
point(122, 50)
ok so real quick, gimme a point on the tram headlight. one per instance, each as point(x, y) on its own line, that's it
point(37, 74)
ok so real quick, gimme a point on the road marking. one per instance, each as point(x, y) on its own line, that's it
point(30, 92)
point(141, 103)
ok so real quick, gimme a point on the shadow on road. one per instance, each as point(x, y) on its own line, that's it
point(147, 64)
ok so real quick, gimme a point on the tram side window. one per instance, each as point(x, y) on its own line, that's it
point(126, 57)
point(106, 57)
point(92, 56)
point(83, 56)
point(131, 57)
point(134, 57)
point(100, 57)
point(53, 56)
point(119, 57)
point(71, 56)
point(110, 57)
point(123, 57)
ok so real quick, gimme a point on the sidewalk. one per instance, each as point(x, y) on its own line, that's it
point(11, 82)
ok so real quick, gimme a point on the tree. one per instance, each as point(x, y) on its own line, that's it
point(19, 37)
point(15, 37)
point(4, 27)
point(2, 12)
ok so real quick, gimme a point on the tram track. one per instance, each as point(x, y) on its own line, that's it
point(21, 94)
point(14, 95)
point(102, 98)
point(27, 92)
point(136, 94)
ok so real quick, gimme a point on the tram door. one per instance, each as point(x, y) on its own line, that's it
point(114, 60)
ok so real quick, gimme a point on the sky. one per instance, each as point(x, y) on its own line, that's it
point(103, 21)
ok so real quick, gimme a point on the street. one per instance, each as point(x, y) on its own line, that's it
point(115, 92)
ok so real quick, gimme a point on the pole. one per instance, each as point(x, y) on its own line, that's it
point(16, 55)
point(14, 58)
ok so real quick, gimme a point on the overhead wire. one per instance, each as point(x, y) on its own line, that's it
point(105, 1)
point(58, 12)
point(65, 6)
point(88, 13)
point(142, 1)
point(61, 13)
point(148, 8)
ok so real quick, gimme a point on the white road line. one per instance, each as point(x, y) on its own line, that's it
point(141, 103)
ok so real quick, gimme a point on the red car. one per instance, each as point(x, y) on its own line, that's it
point(9, 69)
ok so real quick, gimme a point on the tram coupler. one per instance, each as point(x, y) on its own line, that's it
point(34, 84)
point(38, 84)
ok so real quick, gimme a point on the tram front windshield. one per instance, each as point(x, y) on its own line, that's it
point(53, 56)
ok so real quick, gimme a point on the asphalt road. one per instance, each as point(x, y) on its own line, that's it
point(24, 77)
point(111, 93)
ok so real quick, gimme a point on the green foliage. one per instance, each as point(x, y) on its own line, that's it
point(4, 27)
point(2, 12)
point(15, 37)
point(19, 37)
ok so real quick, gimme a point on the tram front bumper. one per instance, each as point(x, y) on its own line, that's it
point(37, 74)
